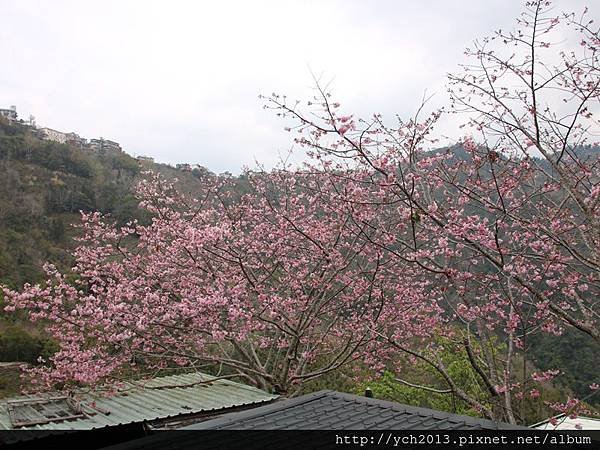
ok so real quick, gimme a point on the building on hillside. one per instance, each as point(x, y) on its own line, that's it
point(10, 114)
point(136, 407)
point(49, 134)
point(76, 140)
point(104, 145)
point(145, 160)
point(96, 144)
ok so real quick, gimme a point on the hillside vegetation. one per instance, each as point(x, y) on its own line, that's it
point(43, 187)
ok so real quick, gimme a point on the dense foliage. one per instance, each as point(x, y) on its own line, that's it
point(43, 187)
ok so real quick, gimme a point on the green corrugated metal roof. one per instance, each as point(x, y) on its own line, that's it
point(144, 402)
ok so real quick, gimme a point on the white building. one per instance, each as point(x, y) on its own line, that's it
point(52, 135)
point(76, 140)
point(566, 423)
point(103, 145)
point(10, 114)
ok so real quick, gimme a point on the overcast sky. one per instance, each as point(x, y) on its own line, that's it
point(180, 81)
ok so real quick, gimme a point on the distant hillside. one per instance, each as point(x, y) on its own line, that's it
point(43, 187)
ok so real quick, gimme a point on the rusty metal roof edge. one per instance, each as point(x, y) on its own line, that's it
point(140, 403)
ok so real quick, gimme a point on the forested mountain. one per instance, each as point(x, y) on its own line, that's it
point(43, 187)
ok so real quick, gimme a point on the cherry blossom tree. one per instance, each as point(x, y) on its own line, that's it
point(272, 286)
point(505, 224)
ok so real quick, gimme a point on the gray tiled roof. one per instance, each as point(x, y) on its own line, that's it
point(325, 410)
point(331, 410)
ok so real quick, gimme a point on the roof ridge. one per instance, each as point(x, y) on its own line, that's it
point(271, 408)
point(277, 414)
point(418, 410)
